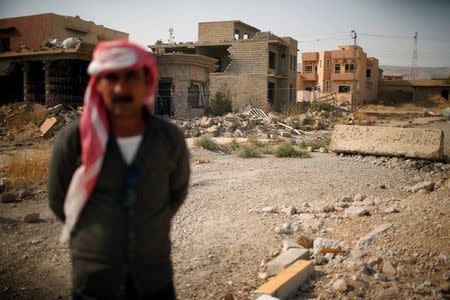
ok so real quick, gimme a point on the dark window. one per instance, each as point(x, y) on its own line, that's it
point(195, 95)
point(5, 45)
point(290, 92)
point(349, 68)
point(271, 60)
point(344, 89)
point(444, 94)
point(368, 72)
point(295, 62)
point(271, 92)
point(337, 68)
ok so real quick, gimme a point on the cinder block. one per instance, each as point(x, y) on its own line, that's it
point(285, 259)
point(287, 281)
point(423, 143)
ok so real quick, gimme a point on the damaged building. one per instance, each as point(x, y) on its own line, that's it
point(253, 67)
point(44, 58)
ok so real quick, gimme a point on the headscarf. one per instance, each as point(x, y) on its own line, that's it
point(108, 56)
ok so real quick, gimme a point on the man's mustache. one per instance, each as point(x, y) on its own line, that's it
point(122, 98)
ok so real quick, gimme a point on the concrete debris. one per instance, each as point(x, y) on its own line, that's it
point(357, 212)
point(359, 197)
point(290, 244)
point(391, 210)
point(305, 242)
point(425, 185)
point(285, 259)
point(389, 141)
point(446, 113)
point(369, 238)
point(324, 246)
point(290, 211)
point(285, 228)
point(328, 209)
point(269, 209)
point(389, 270)
point(346, 199)
point(46, 127)
point(266, 297)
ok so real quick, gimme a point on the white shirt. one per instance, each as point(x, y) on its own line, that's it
point(128, 147)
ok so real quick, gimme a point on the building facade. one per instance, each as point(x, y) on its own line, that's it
point(341, 72)
point(256, 68)
point(31, 69)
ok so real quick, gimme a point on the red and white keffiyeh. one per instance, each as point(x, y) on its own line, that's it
point(108, 56)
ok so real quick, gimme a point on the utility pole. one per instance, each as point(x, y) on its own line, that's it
point(354, 93)
point(413, 74)
point(171, 37)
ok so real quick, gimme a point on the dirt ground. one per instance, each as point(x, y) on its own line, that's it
point(221, 235)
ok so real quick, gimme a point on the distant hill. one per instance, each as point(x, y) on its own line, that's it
point(422, 72)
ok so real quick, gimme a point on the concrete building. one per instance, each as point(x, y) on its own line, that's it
point(183, 87)
point(332, 72)
point(392, 76)
point(32, 69)
point(256, 68)
point(418, 91)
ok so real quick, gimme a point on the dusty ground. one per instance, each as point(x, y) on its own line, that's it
point(220, 235)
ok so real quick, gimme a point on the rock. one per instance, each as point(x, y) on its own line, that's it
point(389, 269)
point(357, 212)
point(340, 285)
point(359, 197)
point(371, 236)
point(290, 211)
point(380, 276)
point(8, 197)
point(46, 127)
point(391, 210)
point(328, 209)
point(284, 229)
point(2, 185)
point(269, 209)
point(285, 259)
point(205, 122)
point(323, 150)
point(213, 130)
point(31, 218)
point(263, 275)
point(290, 244)
point(425, 185)
point(23, 194)
point(305, 241)
point(324, 246)
point(346, 199)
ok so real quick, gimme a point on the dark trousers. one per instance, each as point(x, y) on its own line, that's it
point(128, 291)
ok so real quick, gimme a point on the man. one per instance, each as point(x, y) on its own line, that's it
point(117, 177)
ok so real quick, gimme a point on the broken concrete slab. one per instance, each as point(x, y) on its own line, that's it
point(287, 281)
point(425, 185)
point(285, 259)
point(48, 125)
point(420, 143)
point(290, 244)
point(371, 236)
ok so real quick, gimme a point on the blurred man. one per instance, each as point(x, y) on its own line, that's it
point(117, 178)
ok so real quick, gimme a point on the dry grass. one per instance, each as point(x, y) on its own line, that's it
point(24, 171)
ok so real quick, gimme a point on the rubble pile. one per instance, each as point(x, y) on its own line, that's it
point(243, 125)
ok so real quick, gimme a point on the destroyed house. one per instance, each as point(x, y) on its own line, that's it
point(256, 68)
point(44, 58)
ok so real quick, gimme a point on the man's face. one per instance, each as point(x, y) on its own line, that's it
point(124, 91)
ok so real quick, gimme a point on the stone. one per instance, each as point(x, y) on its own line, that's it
point(340, 285)
point(422, 143)
point(213, 130)
point(391, 210)
point(283, 229)
point(290, 211)
point(305, 242)
point(23, 194)
point(285, 259)
point(8, 197)
point(269, 209)
point(346, 199)
point(424, 185)
point(206, 122)
point(290, 244)
point(446, 275)
point(359, 197)
point(266, 297)
point(324, 246)
point(389, 269)
point(357, 212)
point(380, 276)
point(46, 127)
point(371, 236)
point(31, 218)
point(328, 209)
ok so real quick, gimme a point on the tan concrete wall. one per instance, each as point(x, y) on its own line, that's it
point(425, 93)
point(182, 76)
point(245, 89)
point(248, 57)
point(215, 31)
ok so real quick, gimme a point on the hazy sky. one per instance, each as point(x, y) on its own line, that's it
point(385, 27)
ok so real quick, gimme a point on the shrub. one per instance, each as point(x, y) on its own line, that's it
point(221, 103)
point(207, 142)
point(308, 121)
point(287, 150)
point(319, 106)
point(325, 142)
point(247, 151)
point(24, 171)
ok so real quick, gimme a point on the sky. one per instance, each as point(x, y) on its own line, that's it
point(385, 28)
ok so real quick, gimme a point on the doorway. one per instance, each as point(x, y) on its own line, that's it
point(164, 98)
